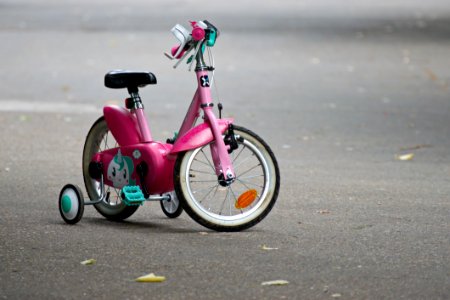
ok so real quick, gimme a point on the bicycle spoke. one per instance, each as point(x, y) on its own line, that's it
point(245, 159)
point(203, 172)
point(212, 180)
point(250, 177)
point(229, 201)
point(223, 203)
point(207, 159)
point(252, 168)
point(235, 198)
point(205, 189)
point(118, 196)
point(202, 162)
point(236, 157)
point(247, 182)
point(215, 187)
point(106, 141)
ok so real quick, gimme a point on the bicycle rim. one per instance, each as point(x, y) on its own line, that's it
point(216, 206)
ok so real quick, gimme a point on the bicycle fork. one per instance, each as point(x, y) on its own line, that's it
point(219, 150)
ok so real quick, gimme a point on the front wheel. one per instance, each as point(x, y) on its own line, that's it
point(235, 207)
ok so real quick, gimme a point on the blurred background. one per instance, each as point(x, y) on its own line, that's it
point(352, 96)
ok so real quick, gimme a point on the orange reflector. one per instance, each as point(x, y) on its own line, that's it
point(245, 199)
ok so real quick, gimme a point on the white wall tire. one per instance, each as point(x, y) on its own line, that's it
point(212, 205)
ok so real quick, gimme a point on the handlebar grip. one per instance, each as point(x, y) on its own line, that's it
point(174, 51)
point(198, 33)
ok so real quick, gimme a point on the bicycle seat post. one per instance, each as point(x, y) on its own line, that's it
point(135, 104)
point(135, 101)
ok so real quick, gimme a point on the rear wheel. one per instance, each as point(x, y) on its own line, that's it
point(243, 203)
point(100, 139)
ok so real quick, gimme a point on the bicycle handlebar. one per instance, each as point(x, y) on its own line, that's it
point(203, 32)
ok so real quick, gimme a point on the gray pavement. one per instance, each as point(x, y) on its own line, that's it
point(337, 89)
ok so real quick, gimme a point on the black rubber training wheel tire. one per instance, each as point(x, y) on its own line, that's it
point(71, 204)
point(171, 208)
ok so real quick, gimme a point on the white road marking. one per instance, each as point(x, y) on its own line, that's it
point(47, 107)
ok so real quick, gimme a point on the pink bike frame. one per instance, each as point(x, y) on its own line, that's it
point(131, 131)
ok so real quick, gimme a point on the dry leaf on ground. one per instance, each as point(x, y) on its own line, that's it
point(88, 262)
point(264, 247)
point(405, 157)
point(275, 282)
point(150, 278)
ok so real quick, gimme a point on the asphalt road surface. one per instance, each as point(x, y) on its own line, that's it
point(341, 90)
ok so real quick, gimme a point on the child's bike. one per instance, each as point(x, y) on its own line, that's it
point(223, 175)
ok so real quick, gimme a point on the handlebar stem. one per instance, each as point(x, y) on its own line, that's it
point(200, 61)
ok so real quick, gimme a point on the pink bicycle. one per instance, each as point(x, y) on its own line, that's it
point(223, 175)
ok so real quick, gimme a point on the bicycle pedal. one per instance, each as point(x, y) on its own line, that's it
point(132, 195)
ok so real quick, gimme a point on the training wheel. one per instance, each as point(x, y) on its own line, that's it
point(171, 208)
point(71, 203)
